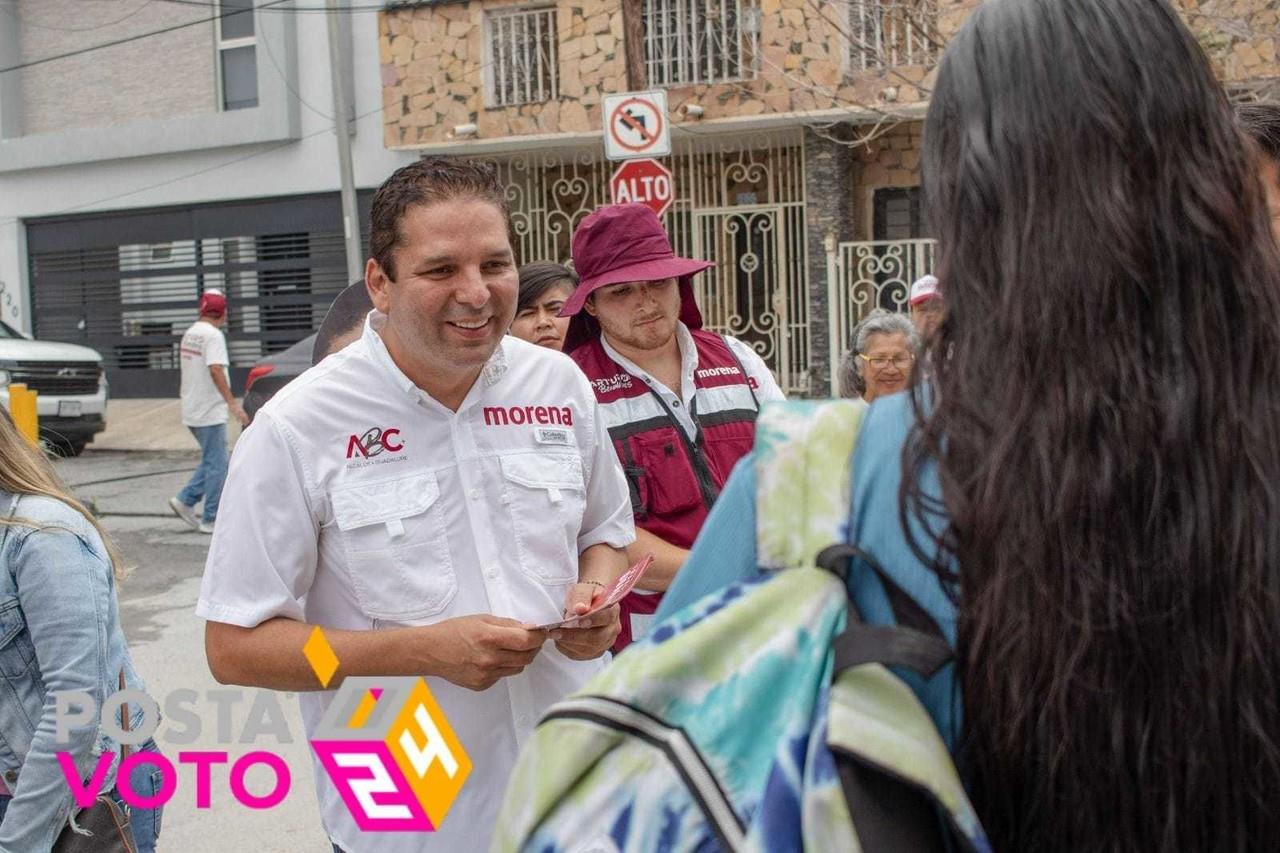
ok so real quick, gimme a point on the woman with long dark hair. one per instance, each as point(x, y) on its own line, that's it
point(1097, 531)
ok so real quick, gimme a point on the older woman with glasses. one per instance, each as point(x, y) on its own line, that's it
point(884, 348)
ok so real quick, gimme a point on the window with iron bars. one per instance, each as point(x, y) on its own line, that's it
point(522, 61)
point(700, 41)
point(890, 33)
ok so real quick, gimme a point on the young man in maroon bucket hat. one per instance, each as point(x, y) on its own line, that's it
point(679, 402)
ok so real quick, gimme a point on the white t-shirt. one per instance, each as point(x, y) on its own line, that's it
point(202, 346)
point(764, 386)
point(356, 501)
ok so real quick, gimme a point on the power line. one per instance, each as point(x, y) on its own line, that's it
point(320, 10)
point(138, 37)
point(27, 22)
point(278, 146)
point(284, 78)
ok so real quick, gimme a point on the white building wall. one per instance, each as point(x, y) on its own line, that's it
point(159, 77)
point(308, 164)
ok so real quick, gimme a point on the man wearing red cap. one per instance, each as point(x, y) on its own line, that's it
point(926, 305)
point(206, 401)
point(680, 403)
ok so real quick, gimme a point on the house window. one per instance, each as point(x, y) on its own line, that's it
point(522, 65)
point(890, 33)
point(237, 55)
point(700, 41)
point(897, 214)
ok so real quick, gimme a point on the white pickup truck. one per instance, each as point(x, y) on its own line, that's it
point(72, 401)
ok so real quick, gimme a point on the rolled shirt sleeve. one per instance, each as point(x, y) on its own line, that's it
point(607, 518)
point(262, 560)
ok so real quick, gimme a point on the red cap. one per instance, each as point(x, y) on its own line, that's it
point(925, 288)
point(213, 302)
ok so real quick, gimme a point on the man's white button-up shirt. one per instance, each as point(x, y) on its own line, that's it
point(356, 501)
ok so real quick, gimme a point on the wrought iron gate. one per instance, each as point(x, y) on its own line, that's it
point(738, 204)
point(866, 275)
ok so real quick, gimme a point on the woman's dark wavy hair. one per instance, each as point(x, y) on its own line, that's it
point(1113, 495)
point(540, 276)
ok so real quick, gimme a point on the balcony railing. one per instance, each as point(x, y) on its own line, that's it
point(522, 66)
point(890, 33)
point(687, 42)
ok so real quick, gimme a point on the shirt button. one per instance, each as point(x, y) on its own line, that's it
point(675, 403)
point(11, 776)
point(475, 494)
point(492, 572)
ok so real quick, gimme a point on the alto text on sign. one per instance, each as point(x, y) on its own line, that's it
point(643, 182)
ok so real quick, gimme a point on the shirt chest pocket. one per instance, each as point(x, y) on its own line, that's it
point(547, 497)
point(394, 536)
point(17, 654)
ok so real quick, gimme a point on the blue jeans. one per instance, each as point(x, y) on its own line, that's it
point(207, 481)
point(145, 823)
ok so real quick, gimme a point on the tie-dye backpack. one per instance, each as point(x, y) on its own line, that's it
point(724, 728)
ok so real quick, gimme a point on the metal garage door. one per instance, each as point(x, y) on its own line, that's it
point(126, 284)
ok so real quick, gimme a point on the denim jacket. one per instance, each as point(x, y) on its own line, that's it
point(59, 630)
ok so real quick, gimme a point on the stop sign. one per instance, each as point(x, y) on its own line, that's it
point(644, 181)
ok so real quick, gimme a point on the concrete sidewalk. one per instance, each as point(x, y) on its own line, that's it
point(149, 424)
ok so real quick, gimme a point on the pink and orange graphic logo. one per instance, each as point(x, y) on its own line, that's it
point(387, 747)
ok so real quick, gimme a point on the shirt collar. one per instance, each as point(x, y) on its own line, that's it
point(688, 358)
point(494, 369)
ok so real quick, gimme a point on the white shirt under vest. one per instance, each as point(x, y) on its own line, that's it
point(681, 404)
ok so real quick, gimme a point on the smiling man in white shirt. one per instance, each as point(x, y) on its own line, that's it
point(426, 495)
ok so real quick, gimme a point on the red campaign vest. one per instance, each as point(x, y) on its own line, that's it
point(673, 481)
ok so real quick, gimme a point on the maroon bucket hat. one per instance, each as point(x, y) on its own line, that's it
point(621, 243)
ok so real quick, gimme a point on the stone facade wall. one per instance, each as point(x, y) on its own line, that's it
point(433, 70)
point(163, 76)
point(433, 65)
point(1240, 36)
point(890, 160)
point(433, 73)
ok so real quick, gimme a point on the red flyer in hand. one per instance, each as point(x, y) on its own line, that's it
point(608, 596)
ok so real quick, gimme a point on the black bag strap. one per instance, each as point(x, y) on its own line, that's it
point(916, 643)
point(890, 645)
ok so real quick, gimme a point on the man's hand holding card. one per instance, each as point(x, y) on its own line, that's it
point(591, 622)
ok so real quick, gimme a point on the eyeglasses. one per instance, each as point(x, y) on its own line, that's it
point(879, 362)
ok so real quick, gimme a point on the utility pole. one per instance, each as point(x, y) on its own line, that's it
point(633, 44)
point(342, 130)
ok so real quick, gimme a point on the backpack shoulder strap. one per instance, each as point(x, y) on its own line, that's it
point(802, 459)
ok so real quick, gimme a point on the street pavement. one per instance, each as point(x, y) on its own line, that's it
point(157, 604)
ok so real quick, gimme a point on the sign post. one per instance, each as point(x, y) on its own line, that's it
point(644, 182)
